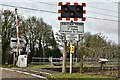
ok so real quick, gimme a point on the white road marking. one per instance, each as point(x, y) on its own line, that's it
point(34, 71)
point(39, 76)
point(40, 72)
point(19, 71)
point(11, 70)
point(2, 68)
point(26, 73)
point(8, 69)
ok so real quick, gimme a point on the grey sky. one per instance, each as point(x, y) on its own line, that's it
point(108, 28)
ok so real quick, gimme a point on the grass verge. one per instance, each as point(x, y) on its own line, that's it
point(43, 66)
point(7, 65)
point(77, 76)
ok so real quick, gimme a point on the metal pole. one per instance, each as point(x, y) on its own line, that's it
point(81, 57)
point(71, 59)
point(51, 60)
point(43, 44)
point(18, 43)
point(13, 59)
point(70, 63)
point(43, 49)
point(81, 61)
point(76, 60)
point(64, 58)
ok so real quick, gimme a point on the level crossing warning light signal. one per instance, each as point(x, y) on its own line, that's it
point(71, 11)
point(74, 11)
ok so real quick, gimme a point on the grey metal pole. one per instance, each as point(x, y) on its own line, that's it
point(70, 63)
point(76, 60)
point(81, 57)
point(43, 48)
point(64, 58)
point(71, 58)
point(51, 60)
point(13, 59)
point(43, 45)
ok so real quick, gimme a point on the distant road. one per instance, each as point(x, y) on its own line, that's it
point(11, 74)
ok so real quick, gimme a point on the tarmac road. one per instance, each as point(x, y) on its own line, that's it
point(10, 74)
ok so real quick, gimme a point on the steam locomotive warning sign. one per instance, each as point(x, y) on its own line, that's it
point(71, 28)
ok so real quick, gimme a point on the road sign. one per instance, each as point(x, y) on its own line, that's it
point(72, 37)
point(72, 49)
point(71, 27)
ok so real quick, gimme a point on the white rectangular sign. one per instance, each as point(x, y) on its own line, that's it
point(71, 27)
point(74, 37)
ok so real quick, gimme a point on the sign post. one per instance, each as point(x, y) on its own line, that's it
point(72, 30)
point(72, 50)
point(70, 63)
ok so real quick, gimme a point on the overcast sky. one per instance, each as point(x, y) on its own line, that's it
point(106, 9)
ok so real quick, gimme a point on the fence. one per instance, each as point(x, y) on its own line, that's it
point(91, 65)
point(87, 61)
point(50, 60)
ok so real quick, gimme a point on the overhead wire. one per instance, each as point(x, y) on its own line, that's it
point(46, 3)
point(113, 1)
point(55, 12)
point(28, 8)
point(102, 14)
point(88, 6)
point(104, 9)
point(87, 10)
point(103, 19)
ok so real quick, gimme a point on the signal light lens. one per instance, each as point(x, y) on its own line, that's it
point(66, 9)
point(78, 8)
point(72, 13)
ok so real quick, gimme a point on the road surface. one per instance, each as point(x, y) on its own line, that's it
point(14, 74)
